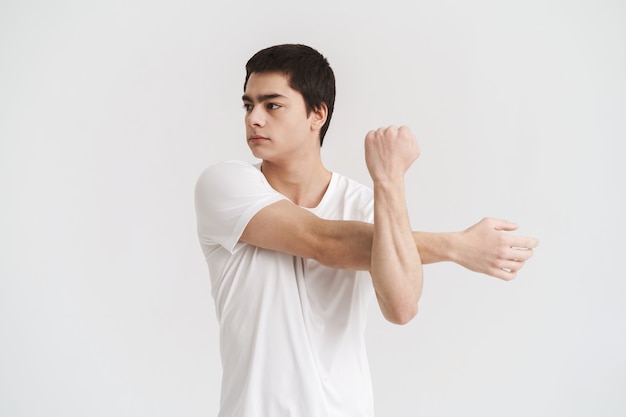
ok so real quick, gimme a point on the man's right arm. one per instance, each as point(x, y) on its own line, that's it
point(285, 227)
point(485, 247)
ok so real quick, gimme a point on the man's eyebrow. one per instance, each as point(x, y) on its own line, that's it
point(262, 97)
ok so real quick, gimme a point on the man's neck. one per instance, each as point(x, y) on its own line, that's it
point(304, 182)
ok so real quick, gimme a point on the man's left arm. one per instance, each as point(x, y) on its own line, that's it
point(396, 267)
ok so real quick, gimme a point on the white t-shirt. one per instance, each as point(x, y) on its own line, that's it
point(291, 330)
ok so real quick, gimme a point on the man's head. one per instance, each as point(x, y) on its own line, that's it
point(308, 73)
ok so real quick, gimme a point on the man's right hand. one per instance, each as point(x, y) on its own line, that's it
point(486, 248)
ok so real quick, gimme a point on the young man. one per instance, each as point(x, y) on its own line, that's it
point(296, 252)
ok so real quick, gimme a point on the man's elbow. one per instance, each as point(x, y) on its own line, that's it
point(402, 315)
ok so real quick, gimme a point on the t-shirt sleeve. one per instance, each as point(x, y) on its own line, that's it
point(227, 196)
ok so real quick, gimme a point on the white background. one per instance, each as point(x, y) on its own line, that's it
point(110, 110)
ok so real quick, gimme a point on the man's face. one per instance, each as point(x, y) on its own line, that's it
point(277, 125)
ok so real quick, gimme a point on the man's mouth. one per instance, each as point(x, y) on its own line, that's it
point(257, 139)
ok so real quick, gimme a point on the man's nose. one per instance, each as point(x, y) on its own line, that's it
point(256, 116)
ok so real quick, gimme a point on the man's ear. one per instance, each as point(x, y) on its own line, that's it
point(318, 117)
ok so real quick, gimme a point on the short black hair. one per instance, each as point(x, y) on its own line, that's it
point(308, 72)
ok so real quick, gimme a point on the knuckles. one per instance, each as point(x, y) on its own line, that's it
point(393, 138)
point(390, 133)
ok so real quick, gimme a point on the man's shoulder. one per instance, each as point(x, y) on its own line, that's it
point(228, 166)
point(227, 170)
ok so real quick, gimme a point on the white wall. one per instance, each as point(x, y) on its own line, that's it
point(110, 110)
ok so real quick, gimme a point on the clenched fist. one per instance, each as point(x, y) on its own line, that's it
point(389, 152)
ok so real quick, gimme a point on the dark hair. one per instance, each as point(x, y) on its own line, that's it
point(308, 73)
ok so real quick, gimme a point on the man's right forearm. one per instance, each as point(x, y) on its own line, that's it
point(435, 247)
point(353, 244)
point(485, 247)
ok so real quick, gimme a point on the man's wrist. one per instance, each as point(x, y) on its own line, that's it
point(438, 247)
point(452, 245)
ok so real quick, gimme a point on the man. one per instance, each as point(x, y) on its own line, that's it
point(296, 252)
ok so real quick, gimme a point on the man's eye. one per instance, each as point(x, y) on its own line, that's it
point(247, 107)
point(273, 106)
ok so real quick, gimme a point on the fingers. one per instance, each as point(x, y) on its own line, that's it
point(518, 254)
point(506, 270)
point(504, 225)
point(389, 151)
point(511, 260)
point(525, 242)
point(390, 130)
point(487, 250)
point(514, 247)
point(521, 242)
point(504, 274)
